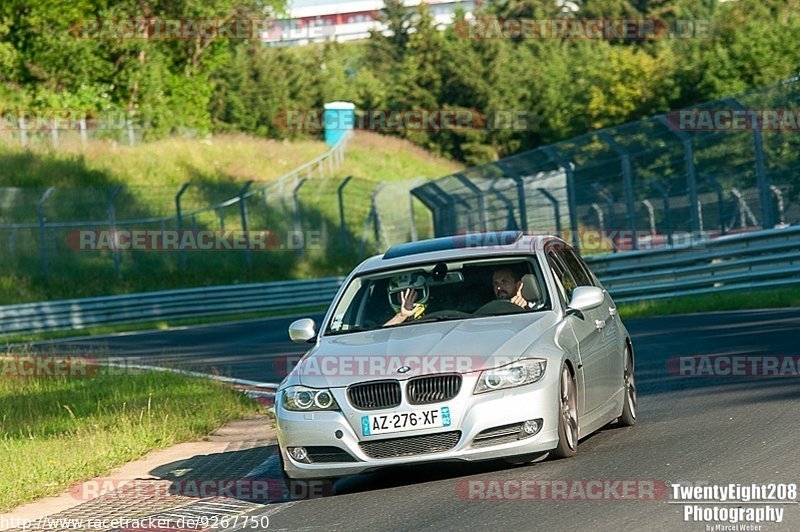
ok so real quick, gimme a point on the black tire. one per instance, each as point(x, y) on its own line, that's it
point(567, 416)
point(630, 401)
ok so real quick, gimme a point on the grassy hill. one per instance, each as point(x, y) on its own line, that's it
point(151, 175)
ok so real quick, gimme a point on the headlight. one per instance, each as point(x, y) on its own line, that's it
point(302, 399)
point(511, 375)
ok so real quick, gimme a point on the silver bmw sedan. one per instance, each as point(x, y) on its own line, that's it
point(472, 347)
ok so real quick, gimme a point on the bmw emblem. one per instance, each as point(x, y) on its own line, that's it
point(403, 369)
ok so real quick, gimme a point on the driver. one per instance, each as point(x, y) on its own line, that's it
point(507, 285)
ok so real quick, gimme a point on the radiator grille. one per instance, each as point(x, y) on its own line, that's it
point(411, 445)
point(374, 395)
point(433, 389)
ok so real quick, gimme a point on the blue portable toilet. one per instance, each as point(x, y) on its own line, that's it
point(338, 119)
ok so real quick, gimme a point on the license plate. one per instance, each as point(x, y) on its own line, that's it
point(402, 421)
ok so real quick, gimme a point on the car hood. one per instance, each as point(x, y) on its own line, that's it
point(458, 346)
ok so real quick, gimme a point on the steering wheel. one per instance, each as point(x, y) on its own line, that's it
point(498, 306)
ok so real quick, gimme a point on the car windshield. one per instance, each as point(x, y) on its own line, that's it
point(439, 292)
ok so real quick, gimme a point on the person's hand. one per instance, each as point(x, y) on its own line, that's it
point(518, 299)
point(407, 305)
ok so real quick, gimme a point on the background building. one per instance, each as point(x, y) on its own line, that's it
point(344, 20)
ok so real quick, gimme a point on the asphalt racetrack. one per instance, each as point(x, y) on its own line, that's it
point(693, 430)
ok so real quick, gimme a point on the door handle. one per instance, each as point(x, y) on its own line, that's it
point(612, 311)
point(599, 324)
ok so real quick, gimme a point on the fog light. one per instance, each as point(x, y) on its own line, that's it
point(299, 454)
point(531, 427)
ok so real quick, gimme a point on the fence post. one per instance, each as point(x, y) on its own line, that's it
point(764, 194)
point(298, 223)
point(54, 134)
point(82, 127)
point(342, 223)
point(521, 200)
point(661, 189)
point(568, 169)
point(248, 257)
point(651, 216)
point(23, 133)
point(376, 218)
point(131, 136)
point(612, 216)
point(691, 178)
point(112, 220)
point(482, 214)
point(413, 229)
point(450, 217)
point(433, 205)
point(556, 210)
point(179, 220)
point(627, 175)
point(720, 200)
point(600, 220)
point(42, 231)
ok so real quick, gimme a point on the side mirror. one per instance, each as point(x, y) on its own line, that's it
point(302, 331)
point(586, 298)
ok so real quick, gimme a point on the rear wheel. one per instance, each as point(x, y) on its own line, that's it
point(629, 409)
point(568, 416)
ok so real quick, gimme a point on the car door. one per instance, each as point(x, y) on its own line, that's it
point(613, 339)
point(589, 336)
point(603, 319)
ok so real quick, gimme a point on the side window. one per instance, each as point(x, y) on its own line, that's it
point(563, 277)
point(578, 270)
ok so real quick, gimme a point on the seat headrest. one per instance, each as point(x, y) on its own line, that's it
point(530, 288)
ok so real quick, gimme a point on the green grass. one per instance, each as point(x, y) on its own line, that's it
point(153, 325)
point(384, 158)
point(167, 162)
point(217, 171)
point(751, 299)
point(55, 431)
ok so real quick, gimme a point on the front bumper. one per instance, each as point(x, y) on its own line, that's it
point(471, 414)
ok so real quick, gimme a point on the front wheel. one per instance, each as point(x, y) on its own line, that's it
point(568, 416)
point(628, 417)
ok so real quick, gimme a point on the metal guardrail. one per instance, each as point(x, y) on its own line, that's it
point(172, 304)
point(759, 259)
